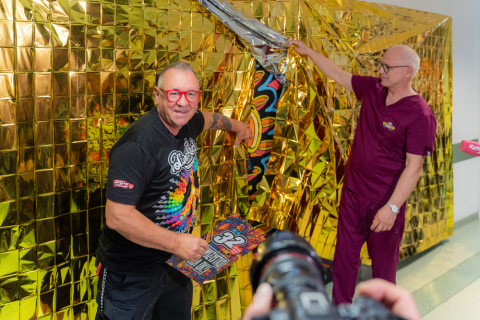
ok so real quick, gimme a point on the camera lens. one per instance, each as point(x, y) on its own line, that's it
point(290, 265)
point(282, 247)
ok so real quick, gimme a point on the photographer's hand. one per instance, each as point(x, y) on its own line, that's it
point(261, 304)
point(398, 300)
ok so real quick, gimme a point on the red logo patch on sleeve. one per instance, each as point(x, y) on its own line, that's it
point(122, 184)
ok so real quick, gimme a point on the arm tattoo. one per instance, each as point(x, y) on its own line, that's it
point(227, 125)
point(215, 119)
point(220, 122)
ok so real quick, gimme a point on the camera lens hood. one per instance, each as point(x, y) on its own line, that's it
point(278, 243)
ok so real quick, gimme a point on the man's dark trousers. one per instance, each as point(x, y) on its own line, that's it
point(165, 296)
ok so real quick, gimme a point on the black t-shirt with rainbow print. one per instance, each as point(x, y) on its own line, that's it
point(155, 171)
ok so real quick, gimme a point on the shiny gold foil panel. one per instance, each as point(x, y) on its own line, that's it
point(74, 75)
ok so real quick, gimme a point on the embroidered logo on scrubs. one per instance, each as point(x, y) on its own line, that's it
point(388, 125)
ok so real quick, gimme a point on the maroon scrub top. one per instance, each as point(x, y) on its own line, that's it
point(383, 137)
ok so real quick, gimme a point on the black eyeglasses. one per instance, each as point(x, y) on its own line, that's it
point(387, 68)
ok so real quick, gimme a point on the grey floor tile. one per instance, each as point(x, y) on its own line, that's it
point(462, 306)
point(447, 285)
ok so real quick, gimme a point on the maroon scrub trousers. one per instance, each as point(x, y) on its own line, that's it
point(356, 214)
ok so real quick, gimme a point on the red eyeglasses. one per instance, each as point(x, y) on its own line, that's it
point(175, 95)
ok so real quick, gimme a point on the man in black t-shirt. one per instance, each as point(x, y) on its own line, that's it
point(152, 203)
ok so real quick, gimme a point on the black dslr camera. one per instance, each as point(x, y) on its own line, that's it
point(290, 265)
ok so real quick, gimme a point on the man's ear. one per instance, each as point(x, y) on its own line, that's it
point(156, 94)
point(411, 72)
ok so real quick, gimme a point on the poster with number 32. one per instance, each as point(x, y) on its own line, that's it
point(229, 241)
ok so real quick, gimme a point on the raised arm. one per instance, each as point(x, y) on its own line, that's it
point(325, 65)
point(217, 121)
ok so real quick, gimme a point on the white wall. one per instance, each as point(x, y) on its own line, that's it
point(466, 87)
point(465, 187)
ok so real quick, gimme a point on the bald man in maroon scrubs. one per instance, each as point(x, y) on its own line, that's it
point(396, 131)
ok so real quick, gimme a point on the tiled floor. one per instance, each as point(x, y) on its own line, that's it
point(447, 285)
point(445, 279)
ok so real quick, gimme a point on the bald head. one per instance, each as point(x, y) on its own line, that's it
point(406, 56)
point(179, 66)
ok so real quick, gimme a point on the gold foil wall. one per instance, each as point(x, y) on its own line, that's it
point(75, 74)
